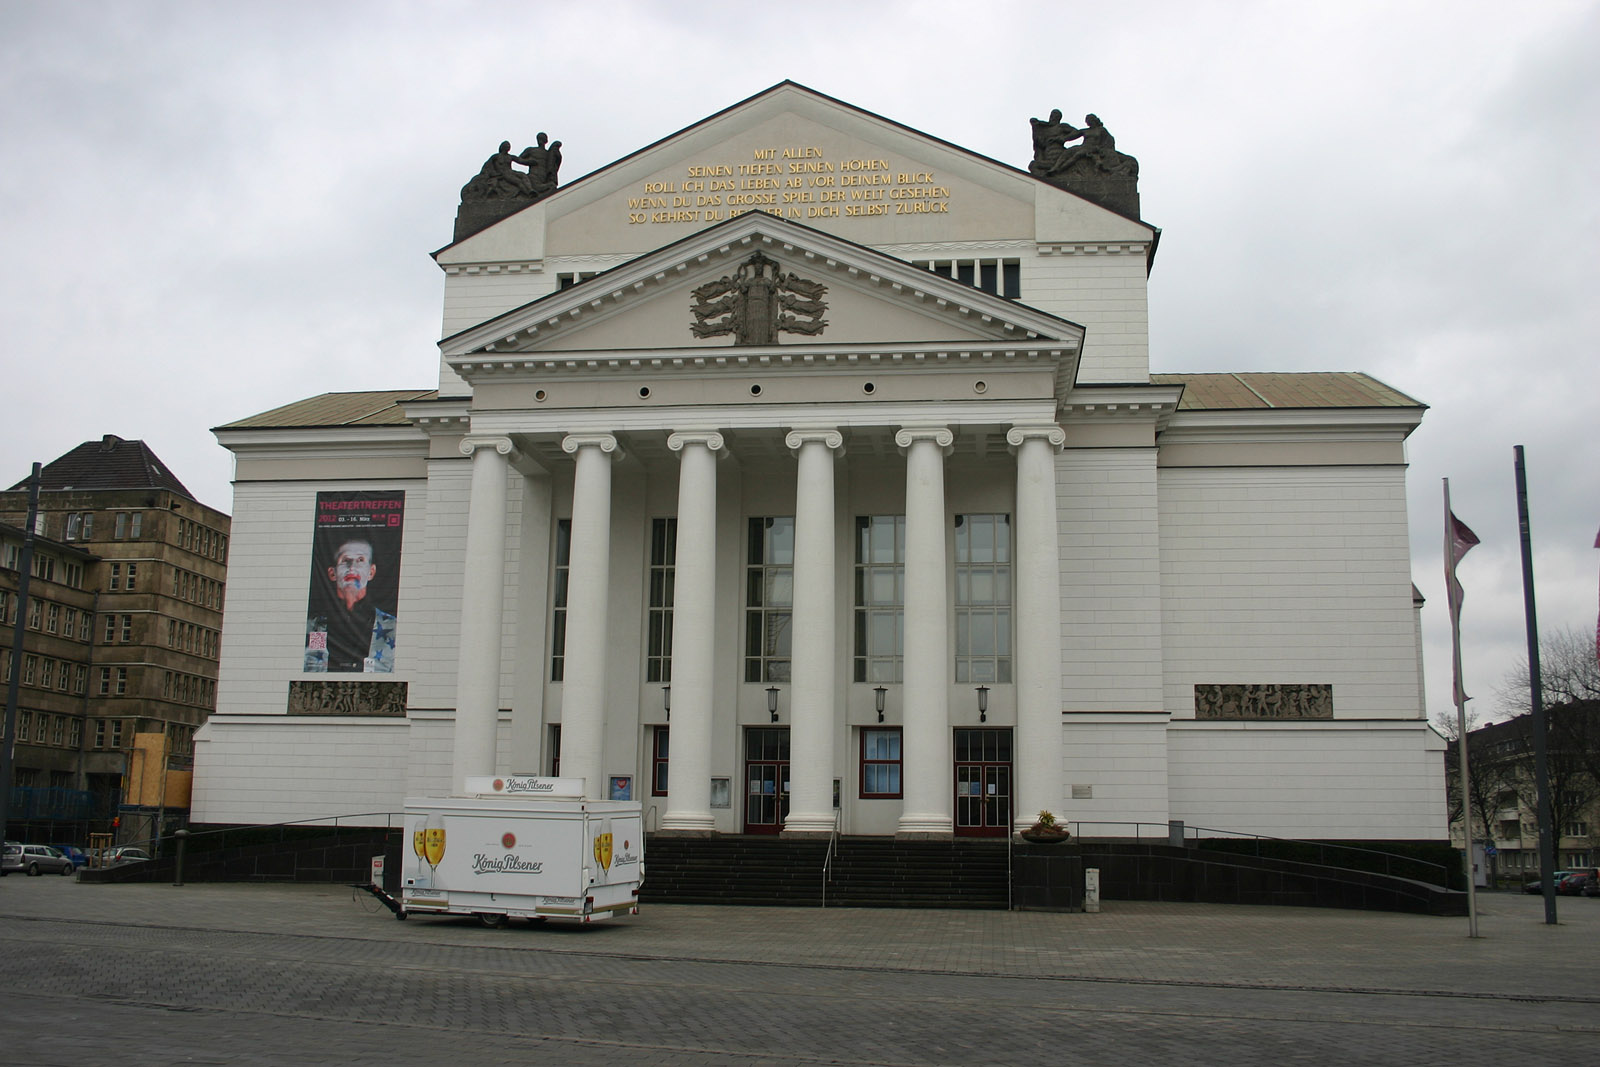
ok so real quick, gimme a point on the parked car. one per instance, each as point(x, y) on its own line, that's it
point(126, 855)
point(78, 856)
point(36, 859)
point(1573, 884)
point(1537, 886)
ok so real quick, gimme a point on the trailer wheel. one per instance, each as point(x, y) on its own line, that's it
point(491, 919)
point(400, 915)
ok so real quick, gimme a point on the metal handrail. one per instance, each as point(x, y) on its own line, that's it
point(827, 858)
point(1441, 877)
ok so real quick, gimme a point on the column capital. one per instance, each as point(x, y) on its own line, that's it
point(939, 435)
point(499, 442)
point(605, 442)
point(677, 440)
point(828, 435)
point(1054, 435)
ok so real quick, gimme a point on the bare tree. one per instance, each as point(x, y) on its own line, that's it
point(1569, 672)
point(1490, 774)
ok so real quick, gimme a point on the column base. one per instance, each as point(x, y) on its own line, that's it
point(799, 823)
point(665, 832)
point(688, 824)
point(938, 827)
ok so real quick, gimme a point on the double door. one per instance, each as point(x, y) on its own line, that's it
point(983, 782)
point(766, 776)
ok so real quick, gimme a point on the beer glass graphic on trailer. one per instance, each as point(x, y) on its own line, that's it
point(419, 847)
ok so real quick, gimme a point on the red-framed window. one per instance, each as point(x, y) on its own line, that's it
point(658, 761)
point(880, 763)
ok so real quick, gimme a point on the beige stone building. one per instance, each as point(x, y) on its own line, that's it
point(122, 638)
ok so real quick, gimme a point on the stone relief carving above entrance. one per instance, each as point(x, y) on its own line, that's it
point(1272, 701)
point(757, 302)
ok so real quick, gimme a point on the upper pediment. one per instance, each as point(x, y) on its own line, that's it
point(700, 294)
point(810, 159)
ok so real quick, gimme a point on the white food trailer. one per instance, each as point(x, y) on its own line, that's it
point(519, 846)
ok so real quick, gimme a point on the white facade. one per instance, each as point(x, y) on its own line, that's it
point(1160, 533)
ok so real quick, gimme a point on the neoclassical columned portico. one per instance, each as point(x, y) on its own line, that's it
point(1038, 623)
point(814, 652)
point(928, 801)
point(694, 627)
point(588, 592)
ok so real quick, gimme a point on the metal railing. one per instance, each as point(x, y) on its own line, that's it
point(1326, 854)
point(827, 857)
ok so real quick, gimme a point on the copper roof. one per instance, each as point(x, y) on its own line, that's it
point(377, 408)
point(1336, 389)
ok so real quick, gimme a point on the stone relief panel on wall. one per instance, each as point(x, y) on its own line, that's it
point(1269, 701)
point(757, 302)
point(387, 699)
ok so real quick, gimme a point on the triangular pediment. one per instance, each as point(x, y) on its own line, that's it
point(810, 159)
point(870, 299)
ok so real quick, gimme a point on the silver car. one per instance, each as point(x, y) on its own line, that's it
point(36, 859)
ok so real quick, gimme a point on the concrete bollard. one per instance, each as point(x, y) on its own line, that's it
point(1091, 890)
point(183, 840)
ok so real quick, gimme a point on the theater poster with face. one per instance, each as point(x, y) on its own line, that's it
point(355, 583)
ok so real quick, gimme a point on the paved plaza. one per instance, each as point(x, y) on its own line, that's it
point(276, 974)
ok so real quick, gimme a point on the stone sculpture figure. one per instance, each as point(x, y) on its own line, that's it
point(1097, 155)
point(499, 180)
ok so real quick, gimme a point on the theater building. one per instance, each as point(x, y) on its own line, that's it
point(803, 470)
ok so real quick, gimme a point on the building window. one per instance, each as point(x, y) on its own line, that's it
point(116, 733)
point(769, 599)
point(47, 673)
point(75, 734)
point(663, 556)
point(7, 604)
point(52, 619)
point(105, 681)
point(86, 626)
point(8, 556)
point(120, 529)
point(80, 679)
point(122, 681)
point(58, 730)
point(553, 751)
point(35, 612)
point(1002, 277)
point(880, 763)
point(558, 615)
point(30, 667)
point(127, 628)
point(24, 725)
point(116, 577)
point(72, 574)
point(75, 526)
point(1575, 828)
point(880, 581)
point(658, 761)
point(133, 574)
point(44, 567)
point(983, 598)
point(567, 280)
point(111, 629)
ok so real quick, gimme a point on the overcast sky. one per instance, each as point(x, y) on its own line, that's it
point(210, 209)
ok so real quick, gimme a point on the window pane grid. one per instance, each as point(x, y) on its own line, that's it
point(880, 592)
point(983, 599)
point(663, 559)
point(769, 598)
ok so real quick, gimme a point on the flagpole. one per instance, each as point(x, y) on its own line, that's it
point(1460, 698)
point(1541, 763)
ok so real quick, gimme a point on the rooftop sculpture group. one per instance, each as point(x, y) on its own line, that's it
point(500, 189)
point(1093, 168)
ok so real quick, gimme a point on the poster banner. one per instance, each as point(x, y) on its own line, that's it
point(355, 582)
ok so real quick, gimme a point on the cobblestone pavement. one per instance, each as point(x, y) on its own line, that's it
point(251, 974)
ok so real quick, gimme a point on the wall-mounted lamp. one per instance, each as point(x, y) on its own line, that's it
point(772, 702)
point(666, 701)
point(878, 697)
point(983, 703)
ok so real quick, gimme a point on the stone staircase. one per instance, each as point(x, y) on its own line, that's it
point(867, 872)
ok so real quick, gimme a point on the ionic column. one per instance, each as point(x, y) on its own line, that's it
point(482, 611)
point(812, 652)
point(1037, 581)
point(693, 629)
point(926, 773)
point(588, 592)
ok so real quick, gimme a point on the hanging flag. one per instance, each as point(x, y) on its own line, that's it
point(1458, 541)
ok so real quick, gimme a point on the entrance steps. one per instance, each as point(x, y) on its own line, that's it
point(866, 872)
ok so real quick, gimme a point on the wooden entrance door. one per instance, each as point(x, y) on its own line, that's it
point(766, 776)
point(983, 782)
